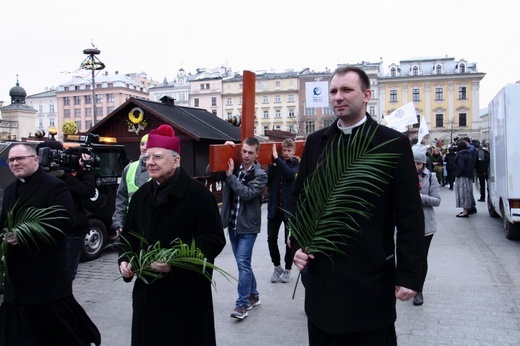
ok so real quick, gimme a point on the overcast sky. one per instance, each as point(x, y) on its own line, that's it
point(43, 41)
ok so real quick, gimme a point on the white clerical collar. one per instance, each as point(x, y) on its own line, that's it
point(348, 130)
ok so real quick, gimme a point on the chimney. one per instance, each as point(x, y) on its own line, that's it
point(167, 100)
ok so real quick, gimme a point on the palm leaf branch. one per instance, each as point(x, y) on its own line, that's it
point(329, 204)
point(179, 254)
point(29, 224)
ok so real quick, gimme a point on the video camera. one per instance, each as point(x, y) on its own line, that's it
point(52, 159)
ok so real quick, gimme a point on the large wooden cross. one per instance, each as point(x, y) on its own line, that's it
point(219, 154)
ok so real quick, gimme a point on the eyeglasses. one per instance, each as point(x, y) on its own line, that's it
point(155, 158)
point(19, 158)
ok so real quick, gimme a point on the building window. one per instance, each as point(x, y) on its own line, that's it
point(291, 113)
point(310, 111)
point(327, 110)
point(310, 126)
point(290, 98)
point(439, 94)
point(51, 108)
point(110, 98)
point(40, 122)
point(392, 72)
point(278, 84)
point(265, 99)
point(266, 114)
point(462, 93)
point(195, 102)
point(99, 111)
point(110, 109)
point(462, 68)
point(110, 85)
point(214, 112)
point(229, 101)
point(77, 100)
point(88, 99)
point(278, 114)
point(416, 125)
point(77, 112)
point(213, 101)
point(291, 128)
point(88, 124)
point(462, 119)
point(99, 98)
point(439, 120)
point(78, 124)
point(66, 113)
point(372, 110)
point(88, 112)
point(204, 86)
point(266, 128)
point(393, 95)
point(327, 122)
point(415, 71)
point(51, 122)
point(416, 95)
point(438, 69)
point(277, 98)
point(278, 128)
point(66, 101)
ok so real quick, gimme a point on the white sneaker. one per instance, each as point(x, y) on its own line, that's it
point(278, 271)
point(286, 276)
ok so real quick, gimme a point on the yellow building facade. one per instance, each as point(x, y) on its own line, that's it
point(444, 91)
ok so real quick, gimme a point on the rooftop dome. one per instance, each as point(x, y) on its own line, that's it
point(17, 93)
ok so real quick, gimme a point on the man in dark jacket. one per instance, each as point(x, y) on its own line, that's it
point(350, 298)
point(177, 308)
point(241, 213)
point(81, 184)
point(449, 161)
point(38, 306)
point(280, 176)
point(482, 170)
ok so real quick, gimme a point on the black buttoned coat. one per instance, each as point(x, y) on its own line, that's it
point(355, 292)
point(176, 309)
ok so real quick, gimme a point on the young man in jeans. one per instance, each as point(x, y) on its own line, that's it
point(280, 176)
point(241, 214)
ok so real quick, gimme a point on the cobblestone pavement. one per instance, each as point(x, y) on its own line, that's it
point(471, 292)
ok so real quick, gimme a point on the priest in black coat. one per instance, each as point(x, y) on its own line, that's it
point(350, 298)
point(176, 309)
point(38, 306)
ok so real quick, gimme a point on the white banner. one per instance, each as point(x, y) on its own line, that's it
point(423, 130)
point(317, 94)
point(402, 117)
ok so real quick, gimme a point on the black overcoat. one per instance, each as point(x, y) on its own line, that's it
point(39, 275)
point(355, 292)
point(176, 309)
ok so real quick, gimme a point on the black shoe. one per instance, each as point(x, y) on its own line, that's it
point(472, 211)
point(418, 299)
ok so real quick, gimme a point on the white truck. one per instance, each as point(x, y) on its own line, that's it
point(504, 167)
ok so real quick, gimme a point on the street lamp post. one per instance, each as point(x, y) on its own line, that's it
point(94, 64)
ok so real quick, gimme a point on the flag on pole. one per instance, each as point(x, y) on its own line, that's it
point(423, 130)
point(401, 117)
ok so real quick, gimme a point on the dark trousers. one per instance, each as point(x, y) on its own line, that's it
point(379, 337)
point(451, 179)
point(427, 242)
point(482, 182)
point(273, 228)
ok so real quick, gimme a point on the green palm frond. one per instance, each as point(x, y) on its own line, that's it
point(179, 255)
point(330, 203)
point(31, 226)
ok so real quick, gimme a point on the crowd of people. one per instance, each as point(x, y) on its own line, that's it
point(382, 224)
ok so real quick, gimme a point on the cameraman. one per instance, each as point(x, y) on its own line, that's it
point(81, 184)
